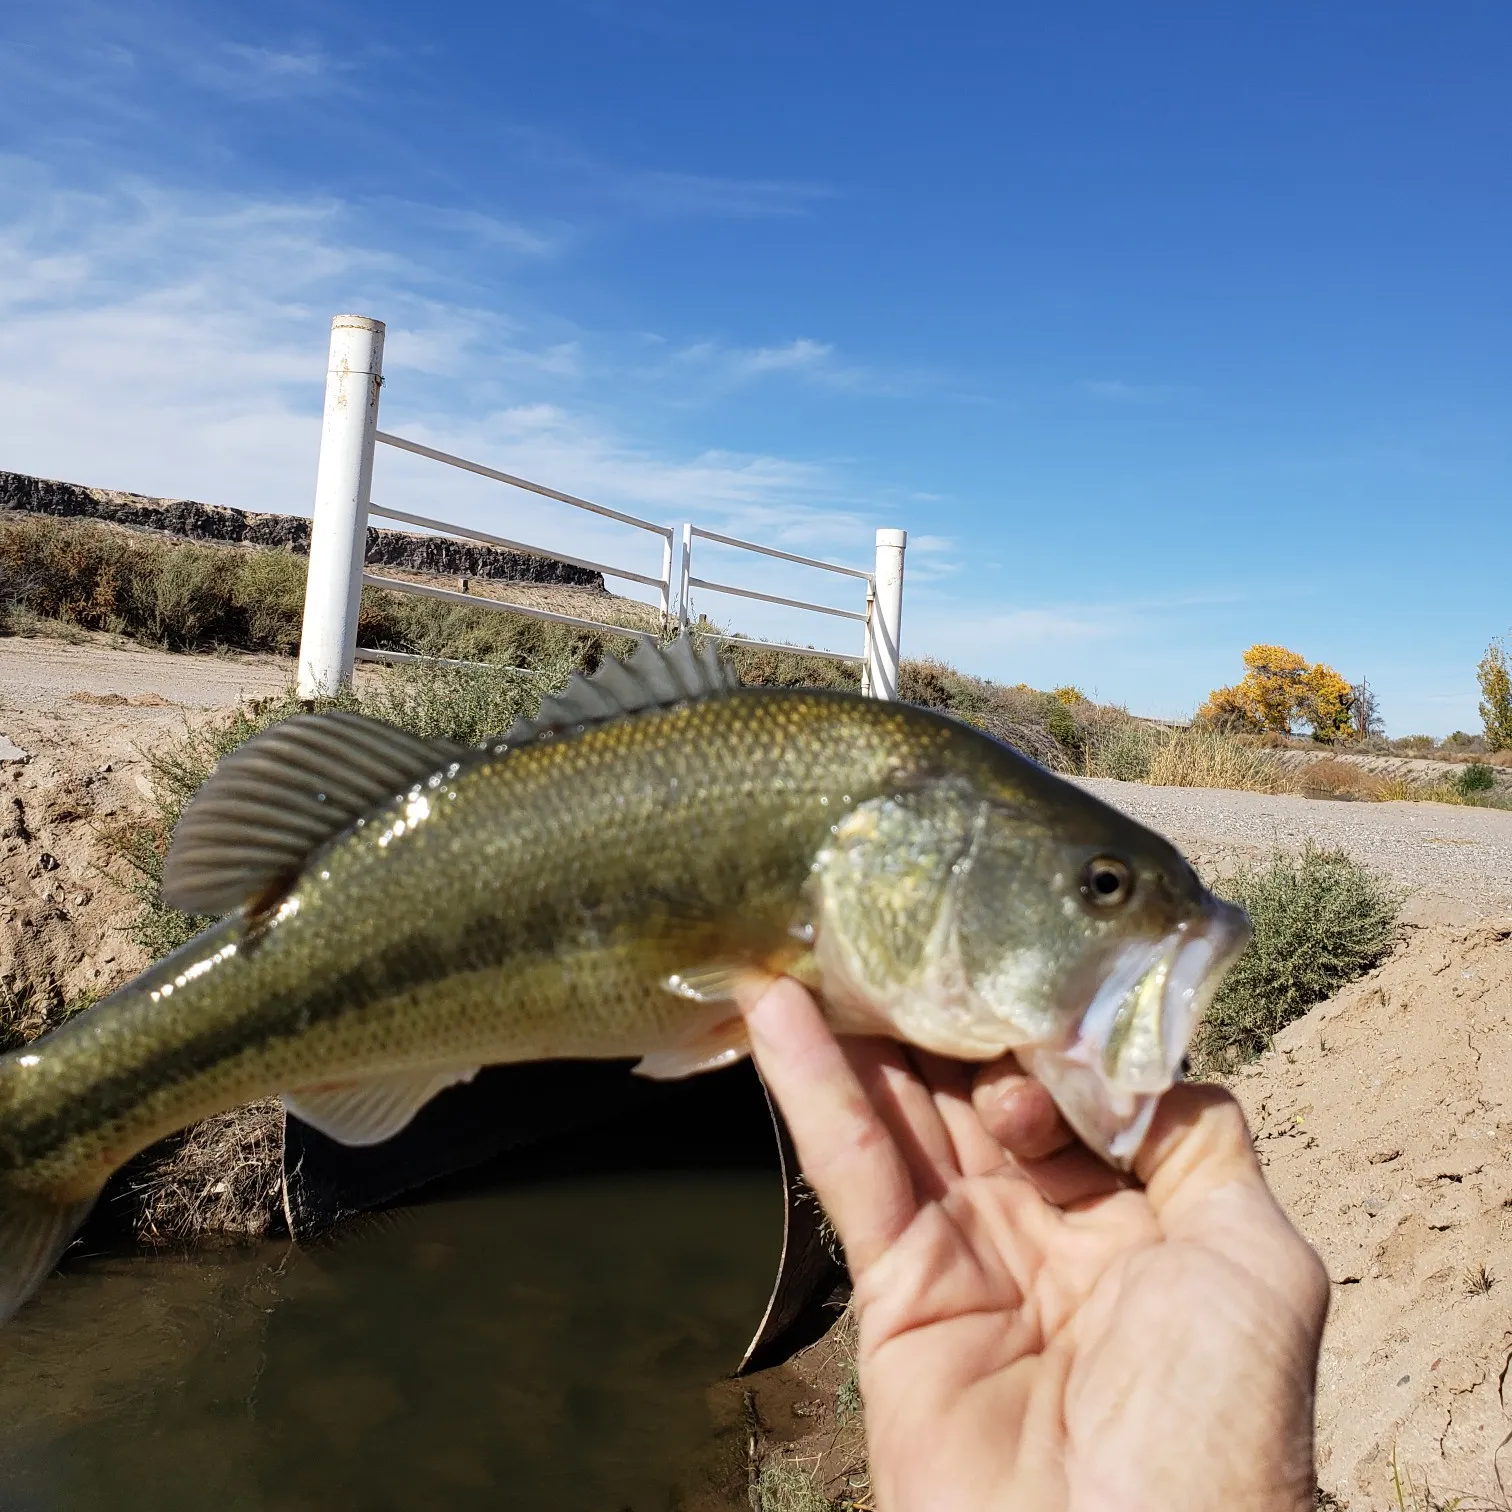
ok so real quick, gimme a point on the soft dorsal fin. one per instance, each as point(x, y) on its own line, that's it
point(654, 677)
point(270, 803)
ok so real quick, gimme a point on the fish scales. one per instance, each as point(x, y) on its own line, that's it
point(594, 885)
point(706, 816)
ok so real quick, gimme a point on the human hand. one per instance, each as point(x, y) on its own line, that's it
point(1035, 1331)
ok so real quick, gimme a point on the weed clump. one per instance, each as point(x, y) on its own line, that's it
point(1321, 919)
point(784, 1485)
point(1475, 778)
point(223, 1176)
point(1198, 756)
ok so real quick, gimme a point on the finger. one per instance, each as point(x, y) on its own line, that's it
point(1198, 1142)
point(844, 1145)
point(974, 1152)
point(1018, 1112)
point(1203, 1181)
point(891, 1078)
point(1073, 1176)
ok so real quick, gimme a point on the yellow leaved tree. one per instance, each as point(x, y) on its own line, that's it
point(1280, 690)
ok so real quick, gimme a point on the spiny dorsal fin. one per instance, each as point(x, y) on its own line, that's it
point(270, 803)
point(654, 677)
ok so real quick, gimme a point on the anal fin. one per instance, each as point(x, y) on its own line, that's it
point(376, 1108)
point(717, 1044)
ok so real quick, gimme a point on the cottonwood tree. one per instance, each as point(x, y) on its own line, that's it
point(1281, 690)
point(1496, 695)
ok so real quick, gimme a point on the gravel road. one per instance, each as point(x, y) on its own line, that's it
point(1464, 854)
point(36, 673)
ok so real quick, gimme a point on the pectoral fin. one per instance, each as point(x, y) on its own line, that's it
point(715, 981)
point(368, 1112)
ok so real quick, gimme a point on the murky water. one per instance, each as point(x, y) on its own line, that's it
point(549, 1345)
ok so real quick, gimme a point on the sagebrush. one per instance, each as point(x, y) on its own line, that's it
point(1321, 919)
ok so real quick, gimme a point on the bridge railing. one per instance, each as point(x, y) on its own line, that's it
point(343, 505)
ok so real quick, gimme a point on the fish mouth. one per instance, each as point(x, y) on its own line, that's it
point(1133, 1034)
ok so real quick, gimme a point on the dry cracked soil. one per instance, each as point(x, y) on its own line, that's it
point(1383, 1117)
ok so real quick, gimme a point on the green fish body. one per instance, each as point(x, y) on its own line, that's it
point(595, 885)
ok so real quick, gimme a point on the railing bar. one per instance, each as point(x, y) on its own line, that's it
point(371, 654)
point(771, 551)
point(493, 540)
point(514, 482)
point(473, 601)
point(772, 598)
point(761, 645)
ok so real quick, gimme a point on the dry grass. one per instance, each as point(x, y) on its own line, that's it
point(832, 1475)
point(1134, 751)
point(223, 1176)
point(1196, 757)
point(1479, 1281)
point(786, 1485)
point(1342, 779)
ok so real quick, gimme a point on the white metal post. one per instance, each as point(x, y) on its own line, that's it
point(666, 582)
point(343, 482)
point(687, 569)
point(887, 613)
point(866, 642)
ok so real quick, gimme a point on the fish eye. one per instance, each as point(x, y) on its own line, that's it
point(1106, 882)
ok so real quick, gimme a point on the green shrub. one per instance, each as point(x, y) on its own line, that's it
point(1477, 777)
point(1321, 919)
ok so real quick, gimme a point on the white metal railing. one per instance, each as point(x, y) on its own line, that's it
point(878, 672)
point(338, 544)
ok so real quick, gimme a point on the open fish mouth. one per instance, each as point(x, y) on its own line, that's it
point(1133, 1035)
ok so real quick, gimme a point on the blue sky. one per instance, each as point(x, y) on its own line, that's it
point(1162, 329)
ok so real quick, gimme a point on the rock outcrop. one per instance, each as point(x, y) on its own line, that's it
point(217, 522)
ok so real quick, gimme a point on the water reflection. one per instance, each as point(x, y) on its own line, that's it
point(546, 1346)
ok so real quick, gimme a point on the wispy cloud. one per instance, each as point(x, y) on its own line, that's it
point(661, 192)
point(717, 367)
point(485, 230)
point(262, 73)
point(1119, 392)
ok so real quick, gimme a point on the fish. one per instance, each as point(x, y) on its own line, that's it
point(599, 882)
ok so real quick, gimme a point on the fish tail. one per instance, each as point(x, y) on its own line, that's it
point(33, 1235)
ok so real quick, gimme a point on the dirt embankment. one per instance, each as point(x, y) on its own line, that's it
point(79, 720)
point(1384, 1117)
point(1384, 1121)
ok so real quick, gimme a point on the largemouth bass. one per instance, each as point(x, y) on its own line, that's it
point(595, 884)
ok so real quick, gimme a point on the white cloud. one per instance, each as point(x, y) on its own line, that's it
point(1116, 390)
point(718, 367)
point(800, 355)
point(174, 344)
point(261, 72)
